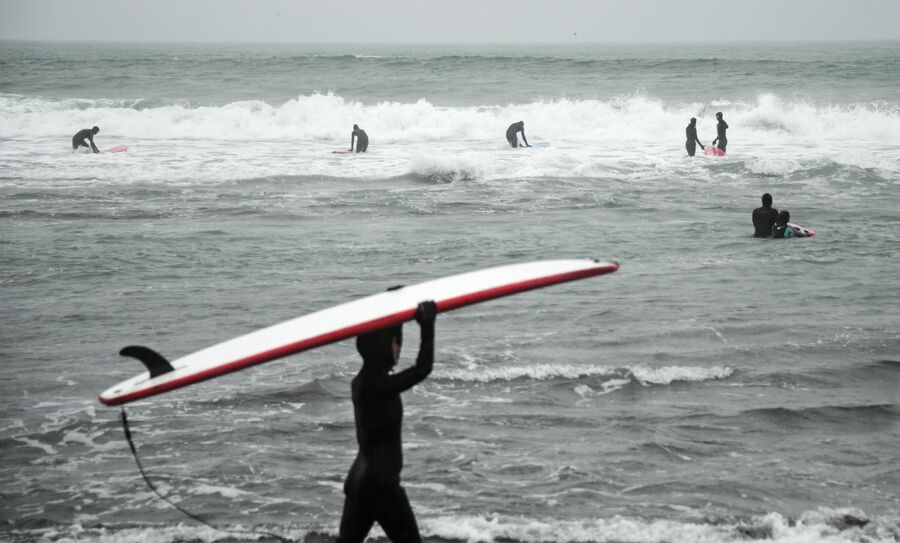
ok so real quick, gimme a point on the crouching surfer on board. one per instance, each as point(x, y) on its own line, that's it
point(512, 134)
point(78, 140)
point(372, 490)
point(362, 139)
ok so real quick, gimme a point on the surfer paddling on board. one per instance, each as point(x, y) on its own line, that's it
point(362, 139)
point(721, 127)
point(512, 134)
point(764, 218)
point(372, 490)
point(83, 136)
point(692, 140)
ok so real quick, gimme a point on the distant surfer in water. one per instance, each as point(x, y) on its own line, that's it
point(83, 136)
point(721, 127)
point(372, 490)
point(362, 139)
point(512, 134)
point(692, 140)
point(764, 217)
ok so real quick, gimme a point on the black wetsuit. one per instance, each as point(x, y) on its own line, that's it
point(372, 489)
point(362, 140)
point(512, 132)
point(778, 230)
point(763, 220)
point(721, 127)
point(692, 140)
point(86, 134)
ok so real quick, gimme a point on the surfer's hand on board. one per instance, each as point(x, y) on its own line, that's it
point(426, 313)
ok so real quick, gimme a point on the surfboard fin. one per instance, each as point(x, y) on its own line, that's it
point(156, 364)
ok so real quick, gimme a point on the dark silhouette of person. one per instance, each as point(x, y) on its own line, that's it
point(78, 140)
point(764, 218)
point(512, 134)
point(781, 225)
point(362, 139)
point(692, 140)
point(372, 490)
point(721, 127)
point(783, 229)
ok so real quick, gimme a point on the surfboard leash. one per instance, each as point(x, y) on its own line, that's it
point(124, 419)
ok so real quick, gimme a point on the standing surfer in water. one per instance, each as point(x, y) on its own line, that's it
point(362, 139)
point(721, 127)
point(692, 140)
point(512, 134)
point(83, 136)
point(372, 489)
point(764, 218)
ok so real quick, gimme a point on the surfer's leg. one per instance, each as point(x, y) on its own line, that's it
point(356, 522)
point(396, 518)
point(722, 144)
point(691, 149)
point(514, 142)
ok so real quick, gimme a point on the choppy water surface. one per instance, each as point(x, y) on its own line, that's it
point(716, 388)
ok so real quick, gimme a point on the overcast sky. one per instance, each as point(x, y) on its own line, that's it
point(564, 21)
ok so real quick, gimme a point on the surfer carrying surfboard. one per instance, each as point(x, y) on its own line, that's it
point(372, 489)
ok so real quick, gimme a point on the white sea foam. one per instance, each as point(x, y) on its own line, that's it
point(669, 374)
point(822, 526)
point(250, 139)
point(644, 375)
point(37, 444)
point(773, 527)
point(536, 371)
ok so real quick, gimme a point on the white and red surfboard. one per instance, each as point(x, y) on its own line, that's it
point(804, 231)
point(341, 322)
point(342, 152)
point(121, 148)
point(713, 151)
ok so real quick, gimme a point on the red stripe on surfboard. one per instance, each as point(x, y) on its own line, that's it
point(351, 331)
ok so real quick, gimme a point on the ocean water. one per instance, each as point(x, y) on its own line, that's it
point(717, 388)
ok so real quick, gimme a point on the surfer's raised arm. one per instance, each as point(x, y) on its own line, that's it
point(381, 351)
point(413, 375)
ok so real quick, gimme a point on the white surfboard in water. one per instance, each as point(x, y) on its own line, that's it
point(341, 322)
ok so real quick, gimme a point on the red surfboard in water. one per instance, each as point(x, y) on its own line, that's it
point(713, 151)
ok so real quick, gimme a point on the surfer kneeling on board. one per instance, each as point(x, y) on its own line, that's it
point(78, 140)
point(692, 140)
point(512, 134)
point(362, 139)
point(372, 490)
point(721, 127)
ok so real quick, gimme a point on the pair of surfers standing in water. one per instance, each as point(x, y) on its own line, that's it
point(692, 140)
